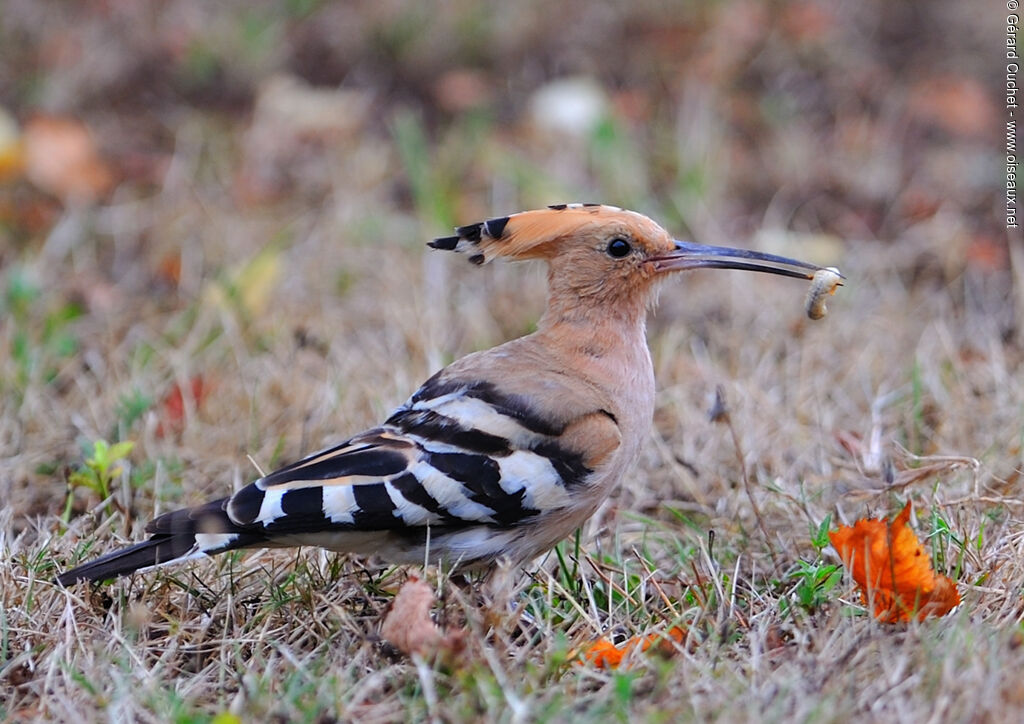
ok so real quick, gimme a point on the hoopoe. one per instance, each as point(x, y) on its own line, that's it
point(501, 454)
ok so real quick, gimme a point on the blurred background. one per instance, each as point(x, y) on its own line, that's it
point(861, 120)
point(213, 219)
point(214, 213)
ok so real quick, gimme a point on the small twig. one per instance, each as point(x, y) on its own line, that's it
point(614, 569)
point(699, 590)
point(981, 499)
point(654, 581)
point(906, 478)
point(256, 465)
point(608, 581)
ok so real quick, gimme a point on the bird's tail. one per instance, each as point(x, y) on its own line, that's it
point(176, 536)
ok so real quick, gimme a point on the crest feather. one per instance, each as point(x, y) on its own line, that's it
point(526, 235)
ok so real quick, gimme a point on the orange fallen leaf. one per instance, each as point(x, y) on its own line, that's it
point(605, 655)
point(408, 625)
point(892, 570)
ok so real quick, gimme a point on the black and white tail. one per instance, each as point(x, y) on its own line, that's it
point(176, 536)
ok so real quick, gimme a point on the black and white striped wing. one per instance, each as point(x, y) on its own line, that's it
point(471, 465)
point(451, 457)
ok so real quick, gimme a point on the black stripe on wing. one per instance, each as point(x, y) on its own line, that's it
point(569, 465)
point(481, 476)
point(516, 407)
point(369, 482)
point(376, 508)
point(435, 427)
point(412, 490)
point(377, 458)
point(303, 510)
point(244, 506)
point(375, 454)
point(210, 517)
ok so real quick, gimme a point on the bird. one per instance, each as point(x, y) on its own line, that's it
point(499, 455)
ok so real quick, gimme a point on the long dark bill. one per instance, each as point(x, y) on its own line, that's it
point(688, 255)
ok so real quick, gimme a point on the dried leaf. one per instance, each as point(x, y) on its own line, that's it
point(61, 158)
point(172, 407)
point(462, 89)
point(987, 253)
point(892, 570)
point(605, 655)
point(408, 625)
point(807, 21)
point(169, 268)
point(257, 280)
point(955, 103)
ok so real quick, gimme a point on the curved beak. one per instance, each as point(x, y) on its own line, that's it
point(688, 255)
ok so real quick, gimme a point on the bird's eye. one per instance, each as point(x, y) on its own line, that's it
point(619, 248)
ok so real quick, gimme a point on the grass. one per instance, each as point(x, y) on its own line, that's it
point(775, 633)
point(287, 273)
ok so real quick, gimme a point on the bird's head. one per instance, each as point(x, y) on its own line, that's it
point(599, 254)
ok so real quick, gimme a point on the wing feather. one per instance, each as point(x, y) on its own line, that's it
point(455, 455)
point(461, 463)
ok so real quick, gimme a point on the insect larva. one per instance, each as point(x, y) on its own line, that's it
point(823, 285)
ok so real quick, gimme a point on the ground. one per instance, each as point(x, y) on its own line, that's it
point(227, 261)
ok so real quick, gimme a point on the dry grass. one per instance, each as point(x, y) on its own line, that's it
point(910, 388)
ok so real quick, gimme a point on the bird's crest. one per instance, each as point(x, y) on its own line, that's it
point(528, 234)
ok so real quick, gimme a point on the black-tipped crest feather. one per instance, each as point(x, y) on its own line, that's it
point(468, 237)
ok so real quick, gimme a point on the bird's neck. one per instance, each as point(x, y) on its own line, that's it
point(593, 322)
point(595, 331)
point(605, 344)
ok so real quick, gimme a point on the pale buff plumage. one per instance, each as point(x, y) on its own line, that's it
point(504, 452)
